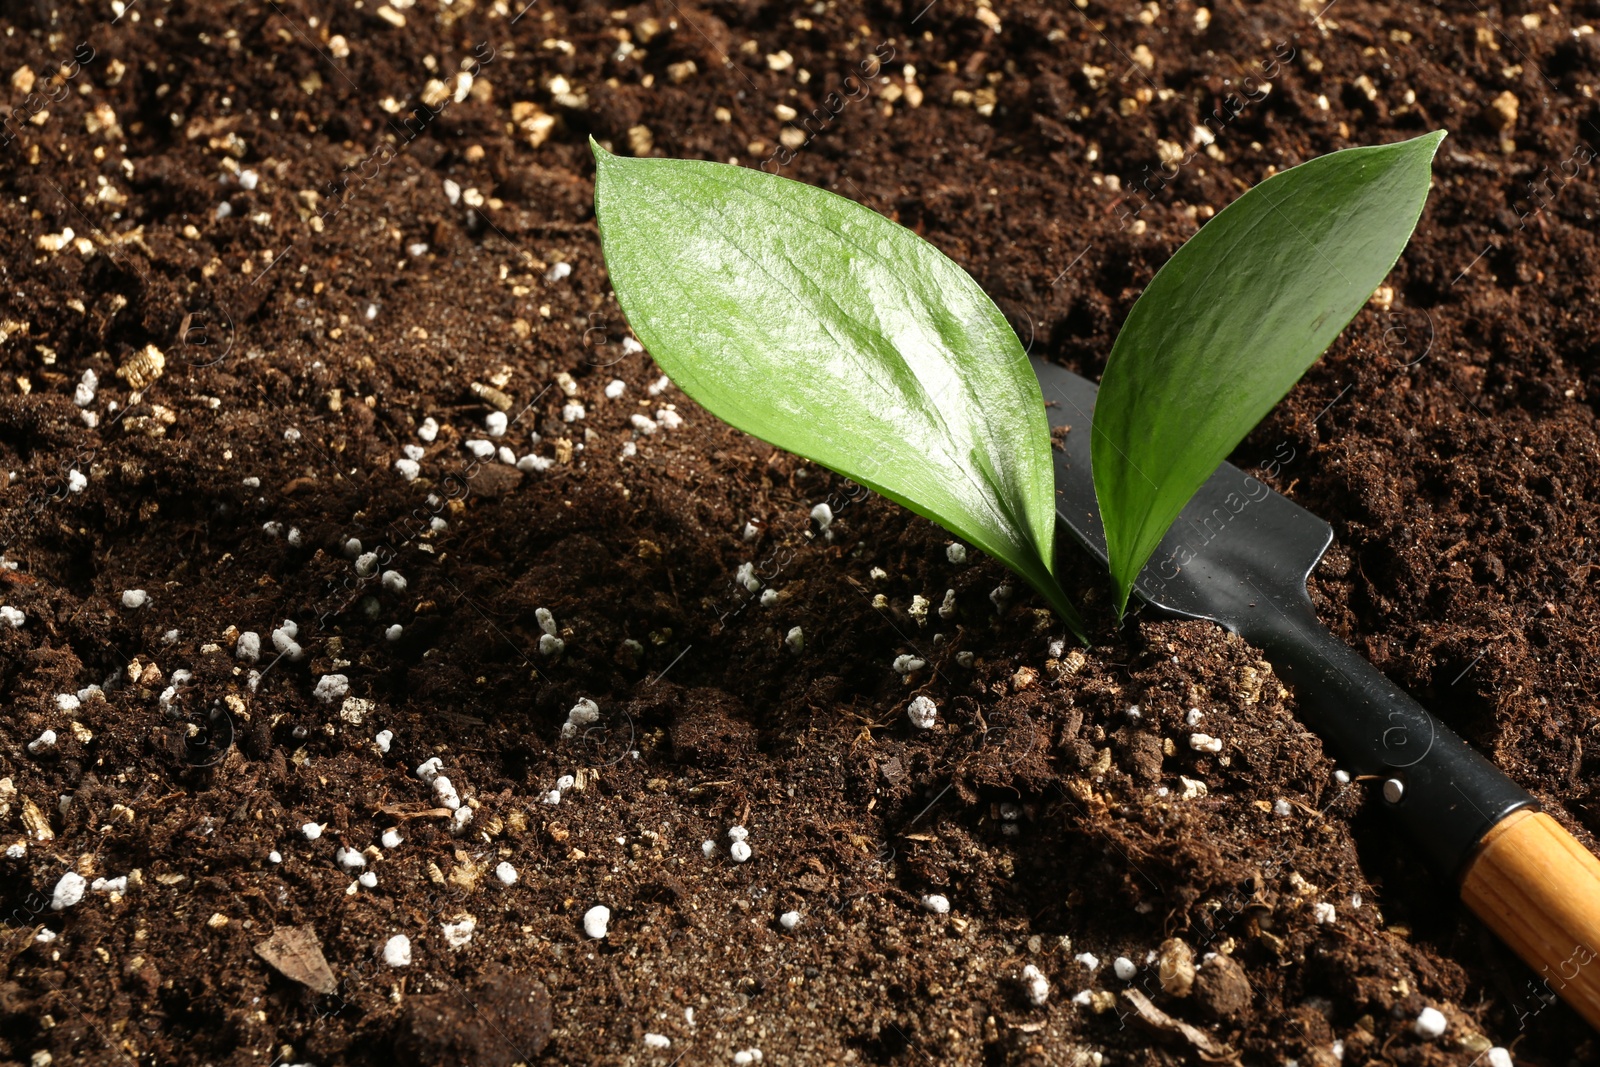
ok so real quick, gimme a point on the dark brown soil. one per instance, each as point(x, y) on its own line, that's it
point(305, 341)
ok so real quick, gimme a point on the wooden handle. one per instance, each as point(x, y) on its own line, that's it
point(1533, 884)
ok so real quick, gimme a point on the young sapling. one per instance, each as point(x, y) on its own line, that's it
point(823, 328)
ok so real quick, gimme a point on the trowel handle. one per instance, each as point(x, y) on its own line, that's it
point(1533, 884)
point(1529, 880)
point(1439, 788)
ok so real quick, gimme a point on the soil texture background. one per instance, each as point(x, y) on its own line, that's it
point(257, 307)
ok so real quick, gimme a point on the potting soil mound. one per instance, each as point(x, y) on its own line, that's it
point(327, 457)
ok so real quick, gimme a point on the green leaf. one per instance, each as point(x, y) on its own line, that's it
point(1231, 322)
point(813, 323)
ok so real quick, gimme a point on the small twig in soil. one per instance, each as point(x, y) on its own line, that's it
point(400, 811)
point(1154, 1016)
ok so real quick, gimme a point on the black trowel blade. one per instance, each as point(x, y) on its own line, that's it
point(1237, 542)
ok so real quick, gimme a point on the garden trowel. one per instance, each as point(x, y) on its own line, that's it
point(1239, 555)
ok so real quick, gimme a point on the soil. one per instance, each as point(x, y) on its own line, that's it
point(322, 271)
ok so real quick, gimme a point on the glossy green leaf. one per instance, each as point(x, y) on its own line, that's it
point(813, 323)
point(1231, 322)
